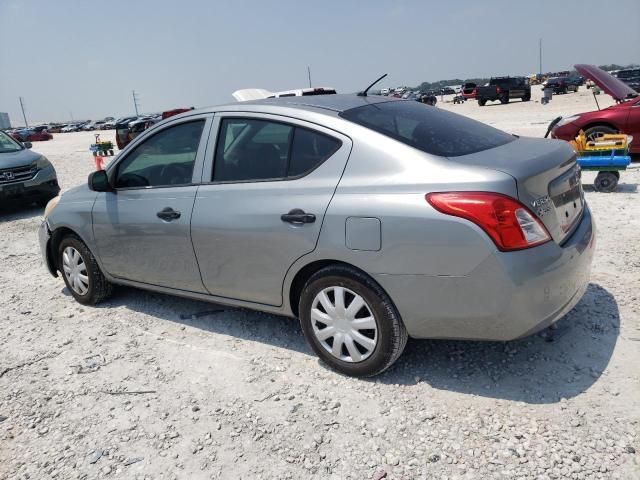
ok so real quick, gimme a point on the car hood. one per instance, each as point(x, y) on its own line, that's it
point(18, 159)
point(613, 86)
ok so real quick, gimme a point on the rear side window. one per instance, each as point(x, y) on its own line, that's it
point(310, 149)
point(427, 128)
point(253, 150)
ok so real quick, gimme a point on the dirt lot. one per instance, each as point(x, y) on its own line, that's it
point(154, 386)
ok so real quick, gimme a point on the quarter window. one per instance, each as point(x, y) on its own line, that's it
point(165, 159)
point(251, 149)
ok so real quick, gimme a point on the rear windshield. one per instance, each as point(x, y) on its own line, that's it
point(427, 128)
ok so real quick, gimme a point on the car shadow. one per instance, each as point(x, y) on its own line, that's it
point(275, 330)
point(560, 362)
point(11, 211)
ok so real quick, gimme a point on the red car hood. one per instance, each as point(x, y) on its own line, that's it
point(613, 86)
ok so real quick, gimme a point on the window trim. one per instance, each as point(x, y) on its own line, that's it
point(222, 117)
point(112, 170)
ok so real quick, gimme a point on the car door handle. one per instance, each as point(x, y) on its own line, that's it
point(298, 216)
point(167, 214)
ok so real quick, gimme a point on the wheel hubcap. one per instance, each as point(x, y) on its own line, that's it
point(75, 270)
point(344, 324)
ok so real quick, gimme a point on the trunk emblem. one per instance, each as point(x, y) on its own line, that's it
point(542, 205)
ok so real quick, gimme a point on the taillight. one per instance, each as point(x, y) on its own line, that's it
point(498, 90)
point(510, 224)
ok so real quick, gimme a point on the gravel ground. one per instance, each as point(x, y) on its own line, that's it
point(154, 386)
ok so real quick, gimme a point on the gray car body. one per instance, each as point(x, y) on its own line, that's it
point(444, 274)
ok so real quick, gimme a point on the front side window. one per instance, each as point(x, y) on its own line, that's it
point(165, 159)
point(251, 149)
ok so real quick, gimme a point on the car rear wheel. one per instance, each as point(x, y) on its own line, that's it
point(350, 322)
point(594, 133)
point(505, 98)
point(482, 103)
point(81, 273)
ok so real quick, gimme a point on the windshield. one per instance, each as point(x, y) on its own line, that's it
point(427, 128)
point(8, 144)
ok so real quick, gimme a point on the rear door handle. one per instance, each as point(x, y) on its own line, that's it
point(298, 216)
point(167, 214)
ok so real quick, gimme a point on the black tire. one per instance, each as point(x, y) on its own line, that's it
point(526, 98)
point(597, 131)
point(99, 288)
point(606, 182)
point(482, 103)
point(392, 334)
point(504, 99)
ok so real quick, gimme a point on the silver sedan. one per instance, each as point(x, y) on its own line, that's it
point(368, 218)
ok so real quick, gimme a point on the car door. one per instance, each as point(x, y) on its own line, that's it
point(516, 88)
point(142, 227)
point(262, 201)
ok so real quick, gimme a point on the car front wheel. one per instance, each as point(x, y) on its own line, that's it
point(81, 273)
point(350, 322)
point(593, 133)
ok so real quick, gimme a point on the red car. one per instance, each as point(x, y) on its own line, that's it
point(31, 135)
point(469, 90)
point(624, 117)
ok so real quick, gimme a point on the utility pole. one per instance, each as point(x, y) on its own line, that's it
point(23, 115)
point(309, 73)
point(540, 55)
point(135, 101)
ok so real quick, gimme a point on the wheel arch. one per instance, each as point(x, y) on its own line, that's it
point(56, 237)
point(598, 123)
point(303, 274)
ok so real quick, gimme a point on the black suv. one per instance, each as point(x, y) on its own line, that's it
point(504, 89)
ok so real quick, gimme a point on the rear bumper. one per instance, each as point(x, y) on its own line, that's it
point(509, 295)
point(43, 185)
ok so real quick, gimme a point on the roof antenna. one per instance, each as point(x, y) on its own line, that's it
point(364, 93)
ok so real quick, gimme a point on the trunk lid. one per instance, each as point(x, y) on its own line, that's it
point(547, 177)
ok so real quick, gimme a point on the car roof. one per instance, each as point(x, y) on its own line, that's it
point(335, 103)
point(329, 103)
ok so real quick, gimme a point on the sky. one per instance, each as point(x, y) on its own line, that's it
point(81, 59)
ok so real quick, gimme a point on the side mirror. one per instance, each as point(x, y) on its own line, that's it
point(27, 144)
point(99, 182)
